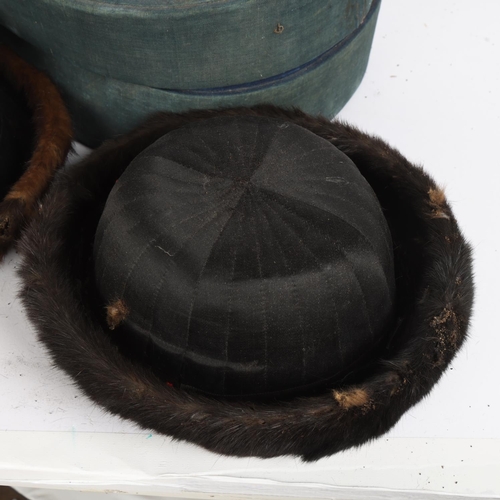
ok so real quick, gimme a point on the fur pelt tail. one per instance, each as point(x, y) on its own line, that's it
point(53, 131)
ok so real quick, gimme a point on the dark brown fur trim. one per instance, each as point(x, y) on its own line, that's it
point(53, 141)
point(435, 293)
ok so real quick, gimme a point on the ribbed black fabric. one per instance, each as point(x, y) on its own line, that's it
point(252, 254)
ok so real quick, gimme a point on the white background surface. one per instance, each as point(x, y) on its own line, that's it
point(432, 89)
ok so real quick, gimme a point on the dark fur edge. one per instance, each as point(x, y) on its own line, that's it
point(432, 330)
point(53, 131)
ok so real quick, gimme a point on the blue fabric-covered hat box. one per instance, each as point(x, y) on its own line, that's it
point(117, 61)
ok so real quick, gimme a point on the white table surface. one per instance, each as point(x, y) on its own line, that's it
point(432, 89)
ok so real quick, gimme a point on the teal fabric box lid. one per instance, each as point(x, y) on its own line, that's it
point(117, 61)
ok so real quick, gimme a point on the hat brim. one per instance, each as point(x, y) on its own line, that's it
point(434, 299)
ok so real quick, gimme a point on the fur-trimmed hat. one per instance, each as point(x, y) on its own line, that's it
point(35, 137)
point(128, 300)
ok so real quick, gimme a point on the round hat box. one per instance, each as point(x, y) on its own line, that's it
point(117, 61)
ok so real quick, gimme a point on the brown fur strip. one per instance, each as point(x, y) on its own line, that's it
point(53, 141)
point(435, 293)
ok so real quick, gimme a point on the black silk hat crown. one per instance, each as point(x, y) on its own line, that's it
point(254, 280)
point(251, 255)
